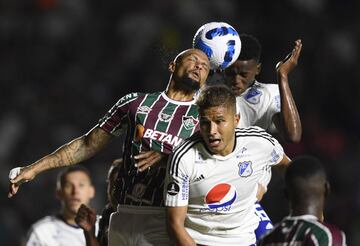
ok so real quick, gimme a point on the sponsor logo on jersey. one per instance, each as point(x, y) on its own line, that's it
point(189, 122)
point(165, 117)
point(201, 177)
point(173, 189)
point(245, 169)
point(139, 132)
point(242, 151)
point(253, 95)
point(220, 198)
point(162, 137)
point(143, 110)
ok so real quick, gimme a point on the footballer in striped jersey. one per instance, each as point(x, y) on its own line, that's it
point(306, 188)
point(156, 122)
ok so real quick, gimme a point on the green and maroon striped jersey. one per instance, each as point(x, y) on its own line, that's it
point(305, 230)
point(153, 122)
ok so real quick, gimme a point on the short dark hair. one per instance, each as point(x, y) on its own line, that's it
point(250, 48)
point(62, 175)
point(216, 95)
point(304, 174)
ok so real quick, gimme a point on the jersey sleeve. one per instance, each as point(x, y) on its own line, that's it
point(177, 181)
point(274, 105)
point(33, 238)
point(113, 120)
point(274, 154)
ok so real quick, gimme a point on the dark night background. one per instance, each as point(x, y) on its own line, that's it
point(64, 63)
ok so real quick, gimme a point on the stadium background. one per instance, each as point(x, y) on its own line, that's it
point(64, 63)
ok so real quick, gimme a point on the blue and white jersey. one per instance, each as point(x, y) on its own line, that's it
point(53, 231)
point(258, 104)
point(220, 191)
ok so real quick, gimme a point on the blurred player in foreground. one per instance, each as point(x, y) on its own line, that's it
point(156, 123)
point(212, 178)
point(306, 188)
point(74, 187)
point(86, 217)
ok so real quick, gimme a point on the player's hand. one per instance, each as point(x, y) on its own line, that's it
point(285, 66)
point(147, 159)
point(86, 218)
point(17, 176)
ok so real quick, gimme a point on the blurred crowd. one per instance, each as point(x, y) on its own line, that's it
point(64, 63)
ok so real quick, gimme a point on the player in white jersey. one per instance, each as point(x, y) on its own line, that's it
point(262, 104)
point(74, 187)
point(269, 106)
point(212, 178)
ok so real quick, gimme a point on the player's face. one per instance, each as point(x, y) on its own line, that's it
point(217, 127)
point(241, 75)
point(192, 68)
point(77, 189)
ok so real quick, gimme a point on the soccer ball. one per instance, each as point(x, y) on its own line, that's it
point(220, 42)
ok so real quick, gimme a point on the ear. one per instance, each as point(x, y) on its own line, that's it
point(172, 66)
point(258, 68)
point(236, 119)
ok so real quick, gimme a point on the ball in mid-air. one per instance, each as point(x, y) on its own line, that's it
point(220, 42)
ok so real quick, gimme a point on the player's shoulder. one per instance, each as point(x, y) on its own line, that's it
point(131, 97)
point(260, 92)
point(186, 150)
point(45, 223)
point(255, 133)
point(187, 145)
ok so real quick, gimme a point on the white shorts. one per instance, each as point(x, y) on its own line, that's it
point(138, 226)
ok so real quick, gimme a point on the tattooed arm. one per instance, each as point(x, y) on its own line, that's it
point(75, 151)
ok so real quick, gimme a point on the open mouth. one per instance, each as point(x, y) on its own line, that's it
point(196, 74)
point(213, 143)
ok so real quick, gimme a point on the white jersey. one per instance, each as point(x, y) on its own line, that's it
point(258, 104)
point(53, 231)
point(220, 191)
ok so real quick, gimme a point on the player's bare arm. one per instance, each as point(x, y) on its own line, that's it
point(175, 219)
point(288, 120)
point(76, 151)
point(147, 159)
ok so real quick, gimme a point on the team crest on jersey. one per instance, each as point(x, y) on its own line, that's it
point(173, 189)
point(143, 110)
point(165, 117)
point(189, 122)
point(253, 95)
point(245, 169)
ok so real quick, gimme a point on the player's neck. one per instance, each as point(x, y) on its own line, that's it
point(68, 217)
point(179, 95)
point(313, 208)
